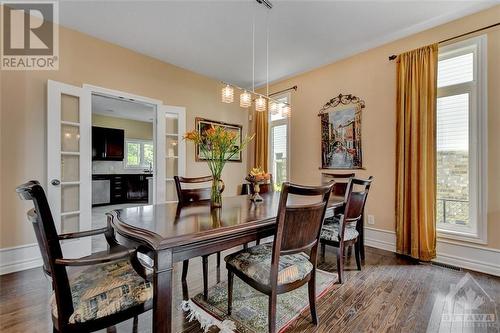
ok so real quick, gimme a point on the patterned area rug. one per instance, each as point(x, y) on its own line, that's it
point(249, 313)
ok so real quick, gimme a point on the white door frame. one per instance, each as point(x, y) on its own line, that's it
point(158, 181)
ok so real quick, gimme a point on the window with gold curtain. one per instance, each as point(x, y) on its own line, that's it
point(416, 153)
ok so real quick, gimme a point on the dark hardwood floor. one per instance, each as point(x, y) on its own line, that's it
point(390, 294)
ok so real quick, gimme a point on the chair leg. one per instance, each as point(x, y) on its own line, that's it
point(185, 267)
point(218, 267)
point(340, 262)
point(230, 278)
point(204, 260)
point(245, 246)
point(323, 250)
point(349, 251)
point(312, 297)
point(357, 255)
point(257, 242)
point(135, 324)
point(272, 313)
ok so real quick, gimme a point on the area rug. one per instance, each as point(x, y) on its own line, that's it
point(249, 314)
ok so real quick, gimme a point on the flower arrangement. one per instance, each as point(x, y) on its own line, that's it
point(217, 145)
point(257, 176)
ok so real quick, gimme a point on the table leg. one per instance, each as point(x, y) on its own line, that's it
point(162, 292)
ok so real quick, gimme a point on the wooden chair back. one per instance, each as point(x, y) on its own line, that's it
point(298, 226)
point(188, 195)
point(49, 244)
point(339, 187)
point(355, 201)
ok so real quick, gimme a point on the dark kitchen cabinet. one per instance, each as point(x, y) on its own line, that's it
point(125, 188)
point(107, 144)
point(137, 188)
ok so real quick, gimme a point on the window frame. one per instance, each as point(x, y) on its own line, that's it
point(272, 123)
point(478, 138)
point(141, 142)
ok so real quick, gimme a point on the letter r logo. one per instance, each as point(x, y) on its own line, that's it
point(28, 29)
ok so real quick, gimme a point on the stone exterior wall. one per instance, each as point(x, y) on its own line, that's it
point(452, 185)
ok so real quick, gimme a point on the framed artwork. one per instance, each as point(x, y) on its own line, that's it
point(341, 133)
point(202, 125)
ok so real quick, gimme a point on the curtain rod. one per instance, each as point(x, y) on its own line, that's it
point(284, 90)
point(393, 56)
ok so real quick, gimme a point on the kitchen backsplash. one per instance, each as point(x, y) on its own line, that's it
point(113, 167)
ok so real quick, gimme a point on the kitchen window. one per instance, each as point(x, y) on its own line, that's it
point(461, 141)
point(279, 152)
point(139, 153)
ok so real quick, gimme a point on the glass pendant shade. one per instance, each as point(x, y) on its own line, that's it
point(245, 99)
point(273, 107)
point(227, 94)
point(260, 104)
point(286, 110)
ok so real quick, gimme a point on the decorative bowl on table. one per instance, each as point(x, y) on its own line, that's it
point(256, 177)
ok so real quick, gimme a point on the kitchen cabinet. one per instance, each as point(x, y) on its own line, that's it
point(107, 144)
point(123, 188)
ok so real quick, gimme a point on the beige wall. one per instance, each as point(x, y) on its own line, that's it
point(84, 59)
point(134, 129)
point(372, 77)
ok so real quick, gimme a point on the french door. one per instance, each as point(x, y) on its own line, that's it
point(171, 150)
point(69, 163)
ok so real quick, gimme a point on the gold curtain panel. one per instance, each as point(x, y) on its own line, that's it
point(416, 153)
point(261, 140)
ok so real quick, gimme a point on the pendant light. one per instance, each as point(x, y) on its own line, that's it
point(245, 99)
point(227, 94)
point(260, 104)
point(273, 107)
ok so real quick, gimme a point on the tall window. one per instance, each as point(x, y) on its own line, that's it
point(139, 153)
point(461, 140)
point(278, 142)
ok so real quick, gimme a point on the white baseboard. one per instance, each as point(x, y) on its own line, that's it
point(380, 239)
point(468, 256)
point(19, 258)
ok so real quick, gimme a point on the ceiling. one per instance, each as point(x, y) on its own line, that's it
point(214, 38)
point(122, 108)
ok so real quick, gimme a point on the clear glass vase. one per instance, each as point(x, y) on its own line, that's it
point(216, 193)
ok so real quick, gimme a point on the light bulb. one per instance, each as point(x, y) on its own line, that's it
point(227, 94)
point(260, 104)
point(245, 99)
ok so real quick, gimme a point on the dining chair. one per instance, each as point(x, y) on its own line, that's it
point(340, 181)
point(290, 261)
point(107, 292)
point(190, 196)
point(343, 231)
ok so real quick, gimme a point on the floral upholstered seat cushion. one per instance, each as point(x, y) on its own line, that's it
point(331, 228)
point(102, 290)
point(255, 262)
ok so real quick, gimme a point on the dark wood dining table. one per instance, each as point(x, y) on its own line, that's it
point(171, 233)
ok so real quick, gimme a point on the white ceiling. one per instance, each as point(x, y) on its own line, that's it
point(122, 108)
point(214, 37)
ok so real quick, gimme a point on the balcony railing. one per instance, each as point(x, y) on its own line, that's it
point(452, 211)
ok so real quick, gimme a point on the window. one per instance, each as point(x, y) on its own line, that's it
point(279, 157)
point(461, 141)
point(139, 153)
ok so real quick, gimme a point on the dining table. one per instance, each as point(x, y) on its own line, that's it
point(170, 232)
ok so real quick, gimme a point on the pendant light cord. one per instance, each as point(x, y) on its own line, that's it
point(267, 54)
point(253, 50)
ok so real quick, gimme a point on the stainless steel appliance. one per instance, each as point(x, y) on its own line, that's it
point(101, 189)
